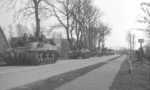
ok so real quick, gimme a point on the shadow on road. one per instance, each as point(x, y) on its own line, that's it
point(59, 80)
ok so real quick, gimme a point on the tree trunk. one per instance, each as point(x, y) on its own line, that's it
point(103, 42)
point(37, 19)
point(89, 37)
point(99, 44)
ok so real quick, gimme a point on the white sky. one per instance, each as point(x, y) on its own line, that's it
point(121, 15)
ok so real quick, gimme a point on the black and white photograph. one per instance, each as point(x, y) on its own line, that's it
point(74, 44)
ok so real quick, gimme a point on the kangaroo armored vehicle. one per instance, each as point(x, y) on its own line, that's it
point(27, 51)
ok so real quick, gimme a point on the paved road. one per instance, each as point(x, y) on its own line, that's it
point(98, 79)
point(14, 76)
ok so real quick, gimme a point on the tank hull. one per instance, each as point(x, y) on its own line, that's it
point(30, 57)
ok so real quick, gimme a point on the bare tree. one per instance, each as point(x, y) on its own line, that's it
point(101, 32)
point(145, 7)
point(104, 31)
point(131, 42)
point(79, 19)
point(32, 7)
point(86, 17)
point(62, 13)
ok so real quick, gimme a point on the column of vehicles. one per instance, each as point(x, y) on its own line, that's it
point(27, 50)
point(86, 53)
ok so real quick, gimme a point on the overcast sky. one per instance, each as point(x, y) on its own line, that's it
point(121, 15)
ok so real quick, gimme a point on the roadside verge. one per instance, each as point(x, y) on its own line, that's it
point(138, 79)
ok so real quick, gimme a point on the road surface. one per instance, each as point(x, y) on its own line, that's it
point(15, 76)
point(99, 79)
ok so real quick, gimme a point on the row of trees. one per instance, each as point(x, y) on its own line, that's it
point(81, 22)
point(79, 18)
point(131, 43)
point(145, 7)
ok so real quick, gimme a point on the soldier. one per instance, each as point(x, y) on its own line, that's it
point(25, 37)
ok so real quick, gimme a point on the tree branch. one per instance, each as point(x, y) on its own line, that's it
point(58, 18)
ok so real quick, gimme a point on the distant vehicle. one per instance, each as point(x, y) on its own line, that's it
point(108, 52)
point(82, 53)
point(28, 51)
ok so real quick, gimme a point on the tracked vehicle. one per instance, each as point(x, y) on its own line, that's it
point(27, 51)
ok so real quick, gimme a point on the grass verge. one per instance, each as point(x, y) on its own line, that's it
point(139, 79)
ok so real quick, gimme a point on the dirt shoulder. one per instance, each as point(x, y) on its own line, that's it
point(139, 79)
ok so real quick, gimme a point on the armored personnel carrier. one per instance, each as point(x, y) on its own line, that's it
point(28, 51)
